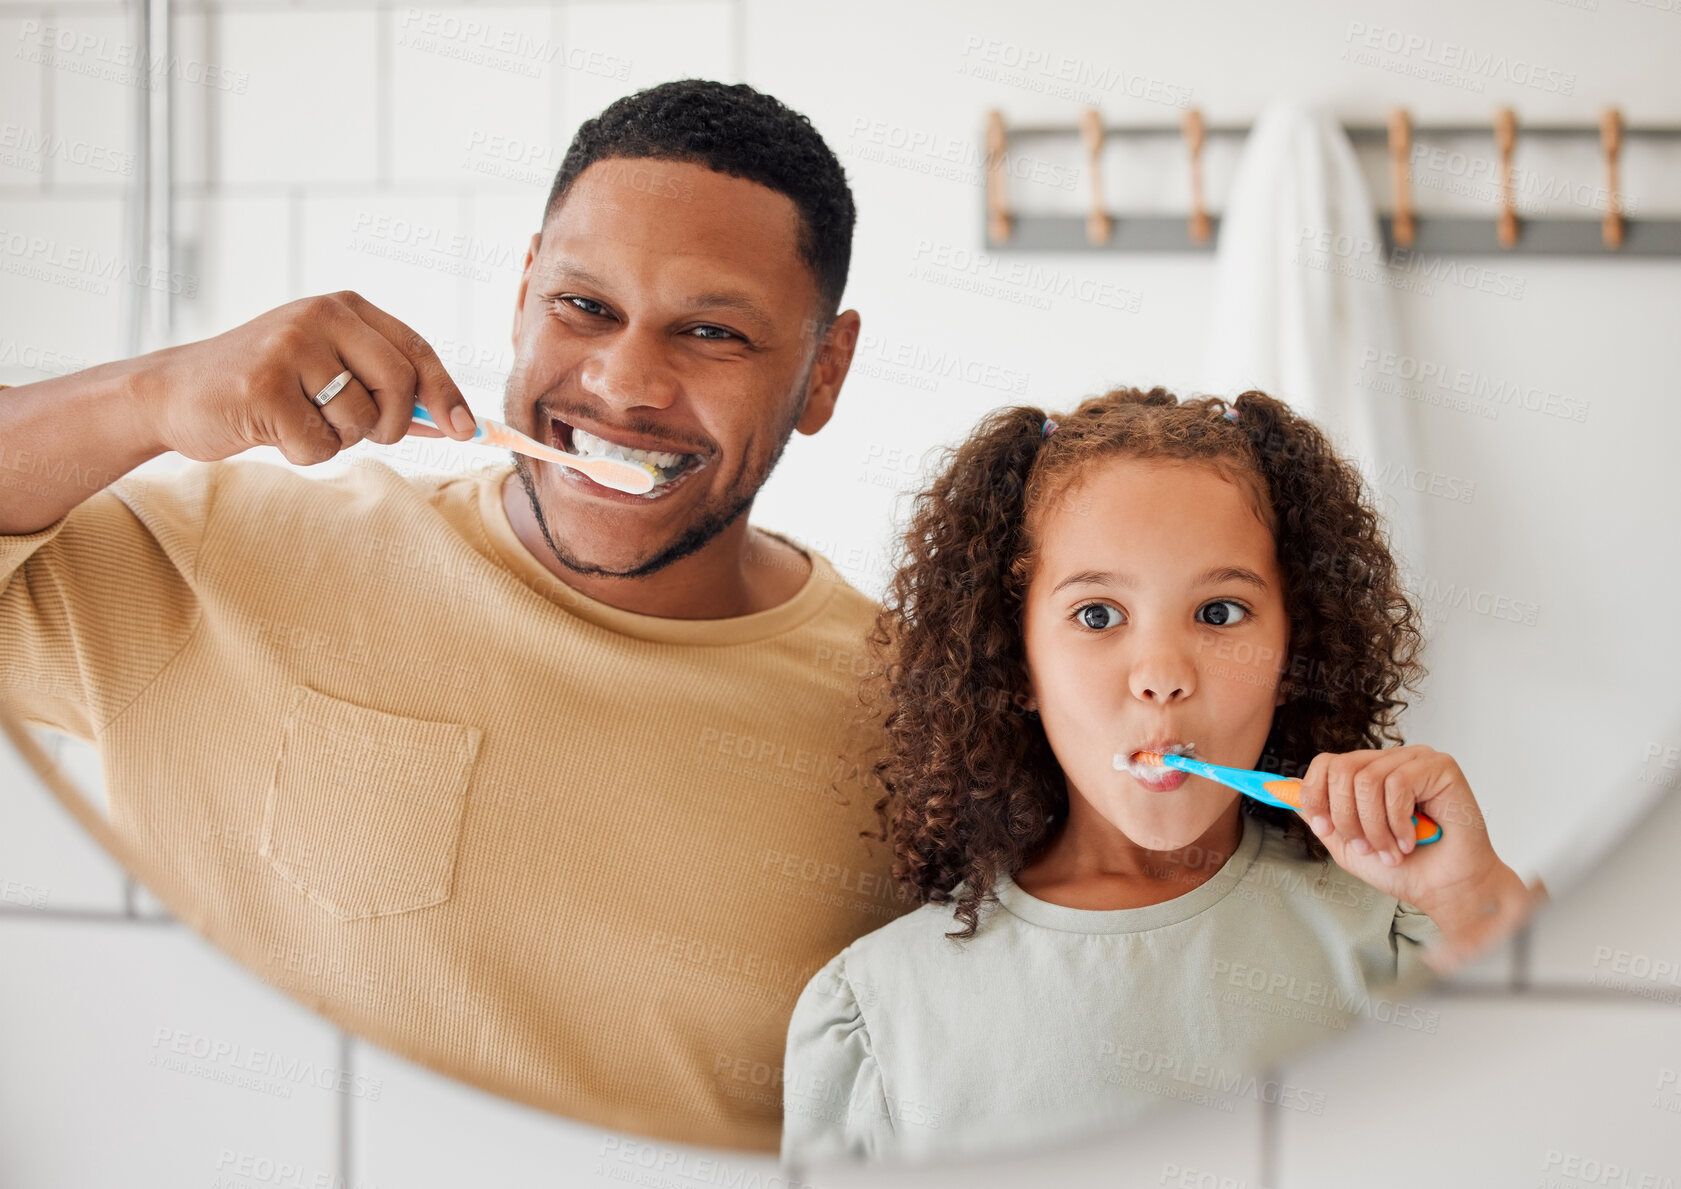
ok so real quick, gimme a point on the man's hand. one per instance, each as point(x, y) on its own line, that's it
point(254, 385)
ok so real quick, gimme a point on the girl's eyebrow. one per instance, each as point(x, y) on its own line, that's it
point(1094, 578)
point(1209, 577)
point(1218, 574)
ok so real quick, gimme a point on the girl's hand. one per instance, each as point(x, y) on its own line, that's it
point(1360, 804)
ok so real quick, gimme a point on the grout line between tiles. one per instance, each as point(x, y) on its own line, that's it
point(738, 41)
point(346, 1113)
point(384, 95)
point(294, 240)
point(48, 112)
point(80, 916)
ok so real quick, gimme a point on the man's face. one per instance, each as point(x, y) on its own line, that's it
point(664, 307)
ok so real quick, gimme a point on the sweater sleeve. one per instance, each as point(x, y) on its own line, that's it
point(96, 604)
point(833, 1100)
point(1413, 933)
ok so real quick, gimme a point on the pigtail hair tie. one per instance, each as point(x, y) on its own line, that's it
point(1047, 429)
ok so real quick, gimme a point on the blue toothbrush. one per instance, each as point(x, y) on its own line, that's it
point(1266, 787)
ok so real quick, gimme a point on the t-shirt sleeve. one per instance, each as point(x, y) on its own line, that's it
point(96, 604)
point(833, 1100)
point(1413, 933)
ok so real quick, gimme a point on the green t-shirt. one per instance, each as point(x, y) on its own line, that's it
point(1053, 1020)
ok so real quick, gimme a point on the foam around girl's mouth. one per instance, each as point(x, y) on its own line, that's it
point(1150, 773)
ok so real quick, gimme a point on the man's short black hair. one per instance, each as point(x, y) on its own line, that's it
point(734, 130)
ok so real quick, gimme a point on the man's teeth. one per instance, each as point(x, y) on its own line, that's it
point(586, 443)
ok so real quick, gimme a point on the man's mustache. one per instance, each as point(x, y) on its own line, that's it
point(548, 406)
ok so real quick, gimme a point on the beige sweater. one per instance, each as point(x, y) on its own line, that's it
point(358, 737)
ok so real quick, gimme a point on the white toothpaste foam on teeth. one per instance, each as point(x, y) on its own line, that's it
point(666, 463)
point(1124, 762)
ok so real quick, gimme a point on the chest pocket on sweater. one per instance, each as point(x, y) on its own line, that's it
point(364, 813)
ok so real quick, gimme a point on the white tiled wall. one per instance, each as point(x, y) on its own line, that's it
point(309, 112)
point(344, 144)
point(136, 1055)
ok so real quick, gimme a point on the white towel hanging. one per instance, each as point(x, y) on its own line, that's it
point(1300, 307)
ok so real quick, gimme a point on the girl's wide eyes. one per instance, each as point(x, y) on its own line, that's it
point(1221, 613)
point(1098, 616)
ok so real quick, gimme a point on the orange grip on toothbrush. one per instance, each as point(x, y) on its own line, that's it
point(1285, 789)
point(1288, 790)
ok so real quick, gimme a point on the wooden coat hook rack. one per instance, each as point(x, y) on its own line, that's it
point(1403, 227)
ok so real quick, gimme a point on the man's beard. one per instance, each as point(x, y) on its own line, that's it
point(708, 525)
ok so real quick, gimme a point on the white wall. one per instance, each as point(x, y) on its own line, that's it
point(329, 132)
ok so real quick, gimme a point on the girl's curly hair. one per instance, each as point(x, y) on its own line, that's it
point(972, 788)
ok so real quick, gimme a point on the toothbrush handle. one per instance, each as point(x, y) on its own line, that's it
point(425, 418)
point(1289, 790)
point(1282, 791)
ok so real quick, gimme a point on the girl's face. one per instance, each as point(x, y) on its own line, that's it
point(1155, 617)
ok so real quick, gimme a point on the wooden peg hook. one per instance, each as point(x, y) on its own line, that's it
point(1505, 140)
point(997, 181)
point(1194, 133)
point(1097, 219)
point(1400, 175)
point(1611, 137)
